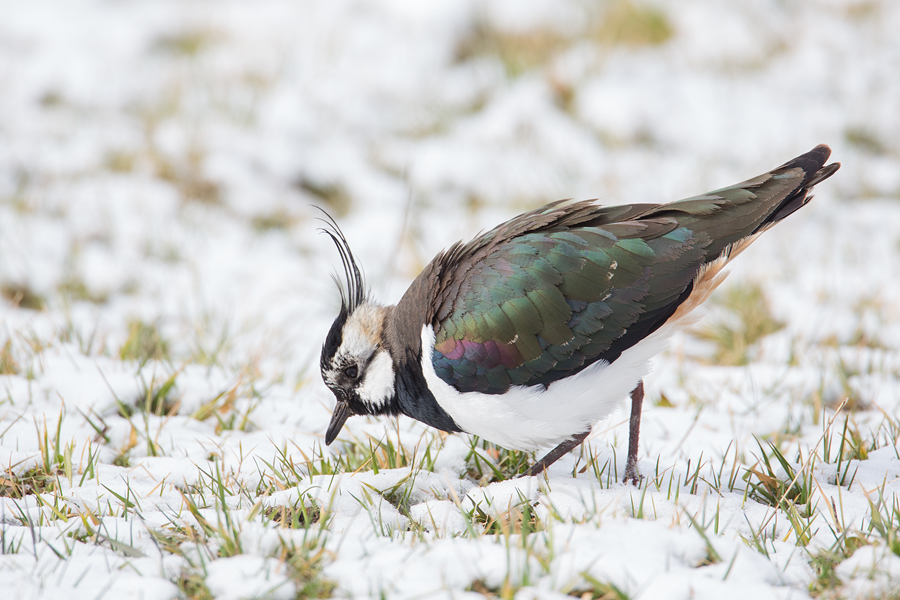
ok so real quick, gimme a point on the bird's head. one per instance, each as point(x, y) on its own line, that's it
point(356, 366)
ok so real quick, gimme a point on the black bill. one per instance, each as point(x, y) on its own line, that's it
point(338, 418)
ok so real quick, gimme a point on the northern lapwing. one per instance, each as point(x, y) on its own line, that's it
point(534, 331)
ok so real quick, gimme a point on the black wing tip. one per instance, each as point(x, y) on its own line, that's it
point(822, 174)
point(821, 154)
point(823, 150)
point(813, 165)
point(815, 171)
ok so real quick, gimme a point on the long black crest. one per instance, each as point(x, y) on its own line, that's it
point(353, 291)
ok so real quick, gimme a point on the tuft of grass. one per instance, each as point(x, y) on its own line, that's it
point(74, 288)
point(852, 447)
point(123, 459)
point(52, 99)
point(222, 407)
point(848, 449)
point(507, 591)
point(199, 189)
point(57, 459)
point(373, 454)
point(824, 564)
point(622, 23)
point(210, 343)
point(399, 495)
point(220, 535)
point(792, 494)
point(279, 220)
point(712, 556)
point(767, 487)
point(518, 52)
point(8, 364)
point(32, 481)
point(144, 343)
point(333, 195)
point(187, 43)
point(865, 140)
point(214, 489)
point(487, 462)
point(867, 9)
point(627, 24)
point(304, 557)
point(598, 590)
point(192, 586)
point(305, 569)
point(869, 307)
point(377, 454)
point(22, 296)
point(192, 186)
point(222, 403)
point(120, 161)
point(752, 321)
point(604, 472)
point(519, 519)
point(156, 399)
point(300, 516)
point(185, 173)
point(284, 472)
point(884, 521)
point(663, 402)
point(850, 399)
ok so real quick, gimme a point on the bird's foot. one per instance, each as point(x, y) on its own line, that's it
point(632, 473)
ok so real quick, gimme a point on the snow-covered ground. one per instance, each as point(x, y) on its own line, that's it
point(165, 295)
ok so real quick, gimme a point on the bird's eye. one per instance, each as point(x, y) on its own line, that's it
point(352, 371)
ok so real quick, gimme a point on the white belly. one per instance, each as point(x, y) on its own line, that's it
point(527, 418)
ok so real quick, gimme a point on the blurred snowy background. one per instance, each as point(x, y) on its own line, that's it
point(165, 293)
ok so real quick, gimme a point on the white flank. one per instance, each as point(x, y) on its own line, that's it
point(527, 418)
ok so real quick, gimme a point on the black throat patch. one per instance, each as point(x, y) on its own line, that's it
point(413, 398)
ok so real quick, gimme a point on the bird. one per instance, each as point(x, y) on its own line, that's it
point(534, 331)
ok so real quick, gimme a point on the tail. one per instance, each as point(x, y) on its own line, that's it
point(815, 171)
point(738, 213)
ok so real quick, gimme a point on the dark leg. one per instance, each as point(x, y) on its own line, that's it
point(634, 431)
point(555, 454)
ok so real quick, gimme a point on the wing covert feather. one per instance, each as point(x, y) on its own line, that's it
point(542, 305)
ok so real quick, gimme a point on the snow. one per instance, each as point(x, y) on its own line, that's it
point(160, 165)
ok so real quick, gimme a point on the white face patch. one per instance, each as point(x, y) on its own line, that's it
point(378, 381)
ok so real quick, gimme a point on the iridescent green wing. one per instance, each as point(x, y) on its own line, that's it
point(544, 305)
